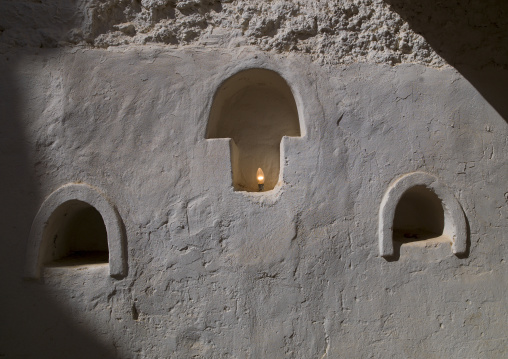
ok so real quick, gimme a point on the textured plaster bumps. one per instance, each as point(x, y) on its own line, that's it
point(294, 273)
point(330, 31)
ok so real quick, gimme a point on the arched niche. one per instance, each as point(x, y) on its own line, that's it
point(255, 108)
point(417, 207)
point(76, 225)
point(419, 215)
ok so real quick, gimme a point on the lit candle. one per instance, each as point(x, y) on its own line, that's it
point(261, 179)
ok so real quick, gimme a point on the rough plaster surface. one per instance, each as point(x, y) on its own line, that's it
point(468, 33)
point(216, 273)
point(330, 31)
point(295, 272)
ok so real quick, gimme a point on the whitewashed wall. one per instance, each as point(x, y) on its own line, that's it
point(216, 273)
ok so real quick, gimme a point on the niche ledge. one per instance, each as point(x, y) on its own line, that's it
point(254, 109)
point(75, 209)
point(418, 211)
point(265, 197)
point(216, 174)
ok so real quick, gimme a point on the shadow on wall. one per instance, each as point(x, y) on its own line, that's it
point(472, 36)
point(33, 324)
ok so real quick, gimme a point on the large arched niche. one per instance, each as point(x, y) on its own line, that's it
point(418, 207)
point(255, 108)
point(76, 225)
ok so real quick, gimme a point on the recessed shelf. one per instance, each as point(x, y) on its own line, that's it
point(417, 210)
point(419, 215)
point(255, 108)
point(413, 236)
point(81, 259)
point(76, 226)
point(76, 234)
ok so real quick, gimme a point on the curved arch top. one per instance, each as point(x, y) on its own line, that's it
point(256, 108)
point(90, 195)
point(265, 78)
point(454, 221)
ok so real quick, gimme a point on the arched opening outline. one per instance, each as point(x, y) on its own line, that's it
point(76, 224)
point(255, 108)
point(75, 234)
point(417, 207)
point(419, 215)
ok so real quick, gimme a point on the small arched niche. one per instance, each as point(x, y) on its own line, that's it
point(255, 108)
point(419, 215)
point(76, 235)
point(76, 225)
point(416, 207)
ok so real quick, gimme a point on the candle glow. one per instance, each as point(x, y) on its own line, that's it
point(261, 180)
point(260, 176)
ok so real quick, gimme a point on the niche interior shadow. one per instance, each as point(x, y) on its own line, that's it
point(255, 108)
point(418, 207)
point(419, 216)
point(77, 236)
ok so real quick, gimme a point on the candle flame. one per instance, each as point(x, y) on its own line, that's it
point(260, 176)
